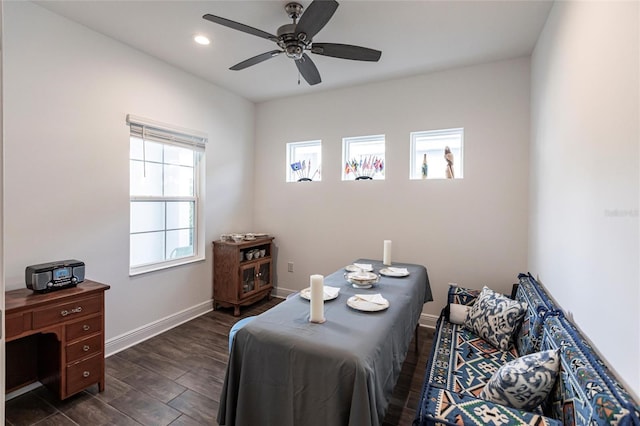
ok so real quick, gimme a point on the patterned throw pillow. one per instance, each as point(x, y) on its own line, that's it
point(524, 382)
point(494, 317)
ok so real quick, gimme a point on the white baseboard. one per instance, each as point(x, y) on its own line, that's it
point(428, 320)
point(22, 390)
point(140, 334)
point(282, 292)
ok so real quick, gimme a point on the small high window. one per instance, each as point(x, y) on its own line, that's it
point(437, 154)
point(304, 161)
point(363, 157)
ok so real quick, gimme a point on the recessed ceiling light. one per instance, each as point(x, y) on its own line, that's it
point(200, 39)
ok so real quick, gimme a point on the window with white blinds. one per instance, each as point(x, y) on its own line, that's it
point(166, 195)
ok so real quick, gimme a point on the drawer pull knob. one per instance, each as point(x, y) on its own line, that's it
point(86, 327)
point(85, 374)
point(64, 312)
point(86, 348)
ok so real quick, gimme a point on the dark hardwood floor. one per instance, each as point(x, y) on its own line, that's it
point(176, 378)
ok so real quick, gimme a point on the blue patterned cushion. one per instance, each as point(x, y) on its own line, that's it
point(494, 317)
point(539, 305)
point(462, 296)
point(444, 407)
point(584, 393)
point(524, 382)
point(462, 362)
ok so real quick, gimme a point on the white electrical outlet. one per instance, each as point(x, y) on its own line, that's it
point(290, 266)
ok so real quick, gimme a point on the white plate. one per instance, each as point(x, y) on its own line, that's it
point(389, 273)
point(354, 268)
point(306, 294)
point(259, 234)
point(363, 305)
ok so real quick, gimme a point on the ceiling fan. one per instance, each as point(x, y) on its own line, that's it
point(293, 39)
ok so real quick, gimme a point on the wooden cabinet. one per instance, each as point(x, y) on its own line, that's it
point(56, 338)
point(239, 277)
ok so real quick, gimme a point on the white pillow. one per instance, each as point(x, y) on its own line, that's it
point(524, 382)
point(458, 313)
point(494, 317)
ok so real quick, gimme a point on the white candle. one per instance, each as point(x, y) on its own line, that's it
point(317, 299)
point(386, 255)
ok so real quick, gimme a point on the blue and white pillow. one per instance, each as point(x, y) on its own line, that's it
point(524, 382)
point(494, 317)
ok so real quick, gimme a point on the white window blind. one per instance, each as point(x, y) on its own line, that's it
point(147, 129)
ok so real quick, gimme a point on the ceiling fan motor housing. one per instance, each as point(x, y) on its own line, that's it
point(287, 40)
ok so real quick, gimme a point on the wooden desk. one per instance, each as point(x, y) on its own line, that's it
point(56, 338)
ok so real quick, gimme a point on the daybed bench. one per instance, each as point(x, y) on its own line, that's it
point(584, 392)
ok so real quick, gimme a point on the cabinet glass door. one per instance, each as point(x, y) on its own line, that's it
point(248, 276)
point(264, 274)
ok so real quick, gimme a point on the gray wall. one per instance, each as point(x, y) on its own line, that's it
point(584, 184)
point(472, 231)
point(67, 159)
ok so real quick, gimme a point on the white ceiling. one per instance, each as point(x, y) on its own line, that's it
point(414, 36)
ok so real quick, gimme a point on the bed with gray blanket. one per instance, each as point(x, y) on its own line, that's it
point(284, 370)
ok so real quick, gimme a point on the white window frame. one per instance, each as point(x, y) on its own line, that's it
point(415, 170)
point(346, 154)
point(154, 131)
point(291, 175)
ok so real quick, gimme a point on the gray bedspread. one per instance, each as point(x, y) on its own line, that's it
point(284, 370)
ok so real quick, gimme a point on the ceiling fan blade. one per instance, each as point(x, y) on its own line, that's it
point(240, 27)
point(346, 51)
point(308, 70)
point(315, 18)
point(255, 60)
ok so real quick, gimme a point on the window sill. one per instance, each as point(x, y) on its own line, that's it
point(139, 270)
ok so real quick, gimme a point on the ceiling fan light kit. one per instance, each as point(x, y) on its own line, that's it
point(296, 38)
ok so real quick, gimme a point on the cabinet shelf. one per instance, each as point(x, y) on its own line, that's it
point(242, 272)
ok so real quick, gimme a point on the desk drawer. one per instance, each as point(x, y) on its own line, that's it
point(84, 348)
point(84, 327)
point(84, 374)
point(67, 311)
point(17, 324)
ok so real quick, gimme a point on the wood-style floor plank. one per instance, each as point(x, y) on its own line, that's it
point(176, 377)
